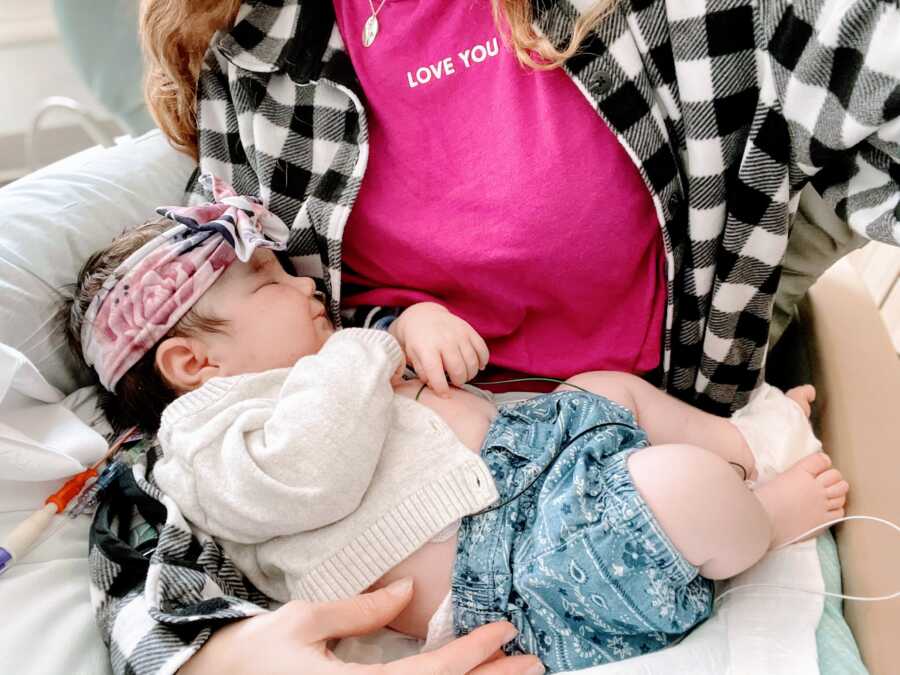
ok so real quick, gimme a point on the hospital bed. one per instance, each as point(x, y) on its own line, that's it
point(54, 218)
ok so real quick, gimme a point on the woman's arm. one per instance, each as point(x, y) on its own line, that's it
point(145, 566)
point(835, 71)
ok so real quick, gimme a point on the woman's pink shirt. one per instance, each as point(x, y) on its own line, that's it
point(498, 192)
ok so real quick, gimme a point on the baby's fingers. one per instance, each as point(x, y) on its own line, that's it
point(467, 352)
point(431, 372)
point(481, 349)
point(455, 365)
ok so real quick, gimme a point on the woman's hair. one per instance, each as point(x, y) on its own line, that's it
point(176, 33)
point(534, 50)
point(142, 393)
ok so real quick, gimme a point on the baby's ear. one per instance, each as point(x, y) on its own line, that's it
point(184, 364)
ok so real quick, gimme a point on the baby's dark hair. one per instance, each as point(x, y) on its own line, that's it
point(142, 393)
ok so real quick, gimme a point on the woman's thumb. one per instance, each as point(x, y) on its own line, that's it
point(364, 613)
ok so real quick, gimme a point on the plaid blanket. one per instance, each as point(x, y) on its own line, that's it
point(727, 107)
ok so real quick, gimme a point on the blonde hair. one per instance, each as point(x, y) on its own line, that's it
point(175, 35)
point(526, 42)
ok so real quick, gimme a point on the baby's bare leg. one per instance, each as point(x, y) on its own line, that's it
point(668, 420)
point(703, 506)
point(715, 521)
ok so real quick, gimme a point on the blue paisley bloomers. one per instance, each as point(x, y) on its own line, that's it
point(572, 556)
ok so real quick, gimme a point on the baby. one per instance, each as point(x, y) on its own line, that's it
point(593, 518)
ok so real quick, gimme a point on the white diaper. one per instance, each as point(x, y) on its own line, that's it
point(446, 533)
point(440, 627)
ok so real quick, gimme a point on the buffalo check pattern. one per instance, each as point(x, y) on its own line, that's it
point(727, 107)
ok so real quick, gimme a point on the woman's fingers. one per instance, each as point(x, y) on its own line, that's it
point(511, 665)
point(358, 615)
point(464, 655)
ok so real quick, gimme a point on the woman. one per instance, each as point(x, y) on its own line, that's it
point(623, 201)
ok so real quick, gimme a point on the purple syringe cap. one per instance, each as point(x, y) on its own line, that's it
point(5, 559)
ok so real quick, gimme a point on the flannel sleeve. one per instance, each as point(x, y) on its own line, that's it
point(835, 68)
point(158, 589)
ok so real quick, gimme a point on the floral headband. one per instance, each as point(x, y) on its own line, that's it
point(155, 286)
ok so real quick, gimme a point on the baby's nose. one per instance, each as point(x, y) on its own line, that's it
point(306, 284)
point(310, 285)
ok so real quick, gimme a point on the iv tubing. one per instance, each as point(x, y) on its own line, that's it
point(22, 538)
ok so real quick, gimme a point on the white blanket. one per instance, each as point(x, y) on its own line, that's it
point(45, 610)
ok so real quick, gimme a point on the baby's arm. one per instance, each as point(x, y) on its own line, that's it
point(265, 468)
point(668, 420)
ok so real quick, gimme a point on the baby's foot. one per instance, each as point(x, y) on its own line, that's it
point(809, 493)
point(803, 396)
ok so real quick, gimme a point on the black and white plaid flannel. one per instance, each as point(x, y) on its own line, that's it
point(728, 108)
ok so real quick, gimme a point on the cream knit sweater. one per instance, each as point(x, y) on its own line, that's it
point(318, 479)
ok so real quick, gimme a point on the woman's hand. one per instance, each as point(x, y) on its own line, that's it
point(438, 342)
point(294, 639)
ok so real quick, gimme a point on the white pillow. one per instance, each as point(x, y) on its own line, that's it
point(53, 219)
point(51, 222)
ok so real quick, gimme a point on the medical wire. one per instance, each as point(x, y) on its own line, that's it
point(810, 591)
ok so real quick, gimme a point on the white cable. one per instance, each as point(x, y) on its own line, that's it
point(857, 598)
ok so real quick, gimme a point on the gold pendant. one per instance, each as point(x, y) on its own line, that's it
point(370, 31)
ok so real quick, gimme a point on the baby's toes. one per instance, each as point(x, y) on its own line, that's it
point(835, 503)
point(816, 464)
point(835, 514)
point(830, 478)
point(803, 396)
point(839, 489)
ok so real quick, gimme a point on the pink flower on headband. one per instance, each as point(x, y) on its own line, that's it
point(160, 286)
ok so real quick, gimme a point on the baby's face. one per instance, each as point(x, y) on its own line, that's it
point(273, 318)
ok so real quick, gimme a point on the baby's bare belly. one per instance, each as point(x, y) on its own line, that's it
point(469, 416)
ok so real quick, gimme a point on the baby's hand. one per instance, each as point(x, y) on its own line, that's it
point(438, 342)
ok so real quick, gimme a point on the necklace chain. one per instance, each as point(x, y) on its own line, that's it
point(372, 7)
